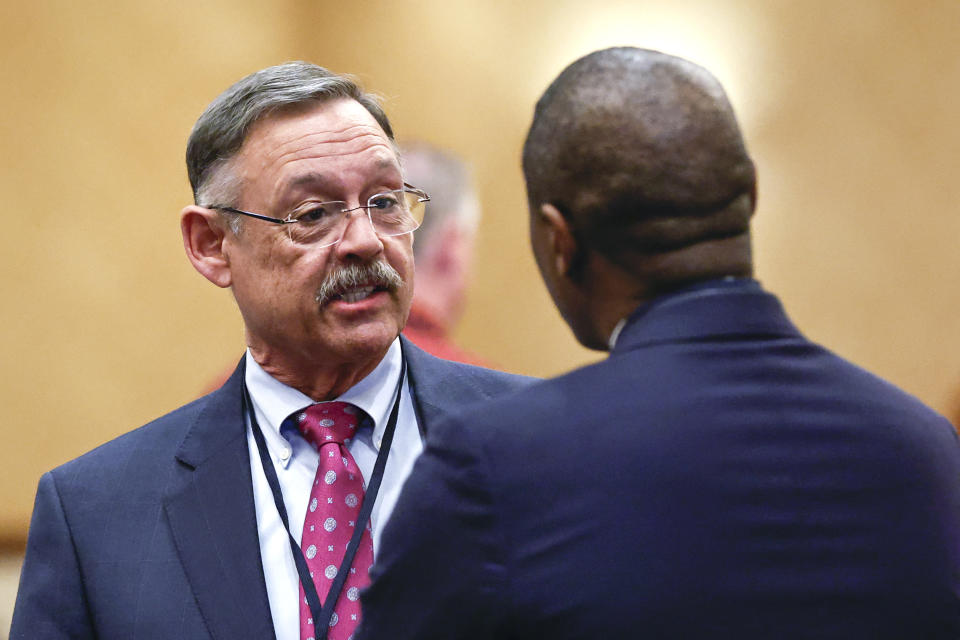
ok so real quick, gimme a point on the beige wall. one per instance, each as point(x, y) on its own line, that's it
point(849, 108)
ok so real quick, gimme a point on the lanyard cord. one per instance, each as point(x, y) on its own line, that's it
point(323, 614)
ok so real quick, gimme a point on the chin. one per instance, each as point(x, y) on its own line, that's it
point(367, 340)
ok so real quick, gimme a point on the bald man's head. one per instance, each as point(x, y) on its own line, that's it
point(642, 154)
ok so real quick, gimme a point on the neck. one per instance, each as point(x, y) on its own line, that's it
point(610, 295)
point(614, 312)
point(320, 383)
point(621, 286)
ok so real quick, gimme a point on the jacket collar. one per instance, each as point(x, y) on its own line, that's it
point(219, 424)
point(714, 309)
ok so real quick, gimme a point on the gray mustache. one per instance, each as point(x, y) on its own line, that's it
point(377, 274)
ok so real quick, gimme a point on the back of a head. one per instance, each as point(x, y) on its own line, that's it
point(642, 154)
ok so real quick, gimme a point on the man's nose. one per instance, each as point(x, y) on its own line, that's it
point(359, 237)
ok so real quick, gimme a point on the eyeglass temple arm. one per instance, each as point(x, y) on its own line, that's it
point(254, 215)
point(420, 193)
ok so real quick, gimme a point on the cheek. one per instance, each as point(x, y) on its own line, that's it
point(281, 276)
point(400, 256)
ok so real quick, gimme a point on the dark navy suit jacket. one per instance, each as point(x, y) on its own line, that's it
point(154, 534)
point(718, 476)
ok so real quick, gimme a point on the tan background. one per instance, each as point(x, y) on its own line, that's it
point(850, 109)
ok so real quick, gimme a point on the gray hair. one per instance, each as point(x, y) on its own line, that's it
point(448, 181)
point(223, 126)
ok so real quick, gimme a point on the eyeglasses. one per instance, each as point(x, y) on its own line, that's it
point(391, 213)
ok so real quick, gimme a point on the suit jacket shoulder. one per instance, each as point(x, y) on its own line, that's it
point(717, 462)
point(441, 386)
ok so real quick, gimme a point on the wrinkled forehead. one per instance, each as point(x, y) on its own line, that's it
point(341, 126)
point(317, 145)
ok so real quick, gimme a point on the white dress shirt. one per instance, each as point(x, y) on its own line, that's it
point(296, 464)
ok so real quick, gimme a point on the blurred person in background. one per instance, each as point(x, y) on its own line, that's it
point(443, 248)
point(255, 511)
point(719, 475)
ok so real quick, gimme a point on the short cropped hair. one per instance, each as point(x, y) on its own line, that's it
point(223, 126)
point(641, 152)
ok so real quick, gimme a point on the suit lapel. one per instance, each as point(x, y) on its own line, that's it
point(424, 384)
point(212, 516)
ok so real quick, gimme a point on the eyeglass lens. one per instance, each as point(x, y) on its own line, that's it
point(391, 213)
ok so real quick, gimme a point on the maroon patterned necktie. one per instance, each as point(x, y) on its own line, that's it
point(335, 501)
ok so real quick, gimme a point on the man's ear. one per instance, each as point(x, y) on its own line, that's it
point(560, 239)
point(203, 232)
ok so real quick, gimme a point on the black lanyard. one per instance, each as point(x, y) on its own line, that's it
point(323, 614)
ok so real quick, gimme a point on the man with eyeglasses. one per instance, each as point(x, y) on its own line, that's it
point(719, 475)
point(254, 512)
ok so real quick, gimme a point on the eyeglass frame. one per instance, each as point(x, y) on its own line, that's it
point(407, 188)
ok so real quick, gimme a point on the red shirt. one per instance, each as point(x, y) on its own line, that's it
point(429, 334)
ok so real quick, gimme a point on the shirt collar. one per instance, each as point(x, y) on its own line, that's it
point(612, 340)
point(374, 393)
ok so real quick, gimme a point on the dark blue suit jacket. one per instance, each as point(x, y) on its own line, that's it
point(154, 534)
point(718, 476)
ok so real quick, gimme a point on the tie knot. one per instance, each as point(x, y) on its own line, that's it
point(327, 422)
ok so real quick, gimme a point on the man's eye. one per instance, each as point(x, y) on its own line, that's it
point(384, 201)
point(316, 214)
